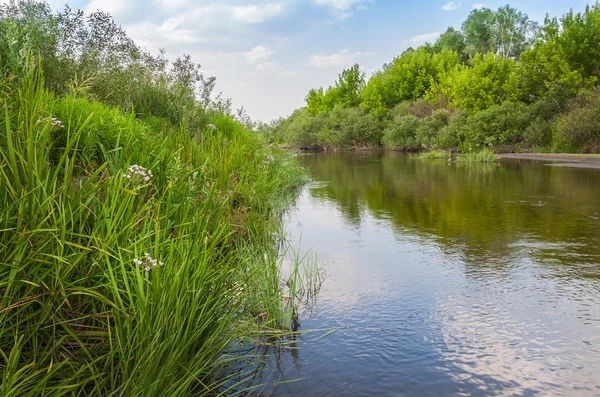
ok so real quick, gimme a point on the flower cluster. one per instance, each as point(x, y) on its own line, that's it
point(211, 127)
point(137, 173)
point(147, 262)
point(267, 161)
point(54, 122)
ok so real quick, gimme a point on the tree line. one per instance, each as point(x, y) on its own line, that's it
point(501, 80)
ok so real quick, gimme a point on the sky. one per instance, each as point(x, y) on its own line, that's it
point(267, 54)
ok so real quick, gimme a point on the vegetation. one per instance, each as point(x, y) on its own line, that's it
point(501, 79)
point(138, 220)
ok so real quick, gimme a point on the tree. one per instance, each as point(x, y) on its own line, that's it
point(513, 32)
point(408, 77)
point(477, 86)
point(566, 56)
point(479, 31)
point(453, 40)
point(345, 93)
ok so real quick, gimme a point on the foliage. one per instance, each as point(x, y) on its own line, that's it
point(137, 247)
point(580, 125)
point(408, 77)
point(506, 32)
point(352, 127)
point(91, 56)
point(402, 132)
point(345, 93)
point(484, 156)
point(453, 40)
point(566, 55)
point(500, 124)
point(499, 80)
point(477, 86)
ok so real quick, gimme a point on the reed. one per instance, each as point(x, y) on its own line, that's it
point(132, 251)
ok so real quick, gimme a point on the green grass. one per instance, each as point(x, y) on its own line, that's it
point(79, 314)
point(484, 156)
point(434, 154)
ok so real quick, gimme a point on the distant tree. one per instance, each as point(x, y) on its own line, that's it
point(408, 77)
point(506, 32)
point(513, 32)
point(566, 56)
point(478, 30)
point(345, 93)
point(453, 40)
point(477, 86)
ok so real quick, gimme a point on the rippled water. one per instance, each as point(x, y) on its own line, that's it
point(447, 280)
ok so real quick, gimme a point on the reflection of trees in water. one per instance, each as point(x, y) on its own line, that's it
point(482, 210)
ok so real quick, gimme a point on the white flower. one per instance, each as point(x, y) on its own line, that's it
point(137, 173)
point(54, 122)
point(147, 262)
point(211, 127)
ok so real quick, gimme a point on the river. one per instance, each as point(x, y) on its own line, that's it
point(444, 279)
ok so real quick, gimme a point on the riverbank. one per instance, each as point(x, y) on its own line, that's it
point(558, 159)
point(137, 256)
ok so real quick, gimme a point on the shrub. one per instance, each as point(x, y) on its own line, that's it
point(353, 127)
point(449, 135)
point(538, 134)
point(419, 108)
point(499, 124)
point(430, 127)
point(303, 129)
point(580, 124)
point(402, 133)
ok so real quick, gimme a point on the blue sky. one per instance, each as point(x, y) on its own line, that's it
point(267, 54)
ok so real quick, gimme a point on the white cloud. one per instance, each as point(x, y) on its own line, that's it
point(113, 7)
point(343, 58)
point(274, 69)
point(171, 4)
point(154, 36)
point(478, 6)
point(339, 4)
point(257, 13)
point(452, 5)
point(259, 53)
point(423, 38)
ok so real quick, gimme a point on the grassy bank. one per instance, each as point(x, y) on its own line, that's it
point(136, 253)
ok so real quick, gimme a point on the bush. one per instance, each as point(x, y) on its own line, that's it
point(580, 125)
point(352, 127)
point(538, 134)
point(302, 129)
point(499, 124)
point(429, 128)
point(449, 135)
point(419, 108)
point(402, 133)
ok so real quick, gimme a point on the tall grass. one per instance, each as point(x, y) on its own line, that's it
point(435, 154)
point(133, 254)
point(484, 156)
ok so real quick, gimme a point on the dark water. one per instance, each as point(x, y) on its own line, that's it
point(447, 280)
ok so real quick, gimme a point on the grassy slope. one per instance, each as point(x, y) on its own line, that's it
point(79, 314)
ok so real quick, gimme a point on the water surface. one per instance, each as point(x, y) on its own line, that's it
point(447, 280)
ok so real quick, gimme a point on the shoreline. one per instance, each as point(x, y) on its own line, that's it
point(558, 159)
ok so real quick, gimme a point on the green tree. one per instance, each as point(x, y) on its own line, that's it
point(477, 86)
point(345, 93)
point(478, 30)
point(453, 40)
point(513, 31)
point(567, 55)
point(408, 77)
